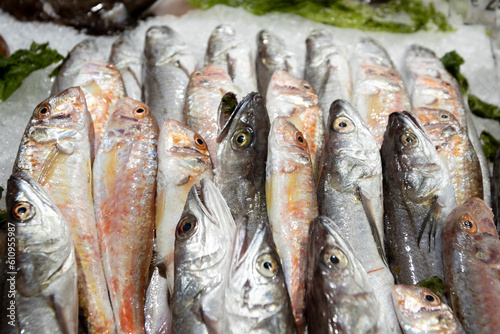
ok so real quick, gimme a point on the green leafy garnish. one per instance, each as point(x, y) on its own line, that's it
point(14, 69)
point(490, 145)
point(434, 283)
point(347, 14)
point(452, 62)
point(483, 109)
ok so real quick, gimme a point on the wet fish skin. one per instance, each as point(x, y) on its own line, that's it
point(291, 205)
point(495, 189)
point(242, 156)
point(55, 150)
point(124, 176)
point(226, 49)
point(46, 282)
point(453, 145)
point(82, 53)
point(183, 161)
point(157, 313)
point(350, 194)
point(207, 86)
point(203, 246)
point(166, 69)
point(339, 296)
point(295, 99)
point(418, 196)
point(378, 89)
point(327, 69)
point(420, 310)
point(471, 266)
point(126, 57)
point(272, 55)
point(257, 299)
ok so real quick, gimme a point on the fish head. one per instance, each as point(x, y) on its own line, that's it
point(221, 40)
point(287, 147)
point(164, 45)
point(105, 75)
point(244, 136)
point(418, 164)
point(211, 75)
point(131, 118)
point(420, 310)
point(42, 236)
point(288, 89)
point(124, 52)
point(59, 117)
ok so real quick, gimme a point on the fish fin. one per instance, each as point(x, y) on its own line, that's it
point(428, 235)
point(50, 163)
point(368, 208)
point(61, 315)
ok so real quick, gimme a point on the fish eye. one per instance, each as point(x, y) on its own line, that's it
point(23, 211)
point(430, 298)
point(111, 66)
point(198, 73)
point(447, 83)
point(334, 258)
point(242, 138)
point(343, 125)
point(468, 224)
point(307, 86)
point(409, 139)
point(445, 116)
point(140, 112)
point(199, 142)
point(186, 226)
point(300, 139)
point(43, 110)
point(267, 266)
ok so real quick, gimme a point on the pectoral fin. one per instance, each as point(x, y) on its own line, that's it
point(428, 234)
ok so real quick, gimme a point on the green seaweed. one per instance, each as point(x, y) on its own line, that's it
point(434, 283)
point(490, 145)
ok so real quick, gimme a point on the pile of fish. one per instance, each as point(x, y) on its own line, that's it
point(152, 195)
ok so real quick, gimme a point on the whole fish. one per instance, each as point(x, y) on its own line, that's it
point(272, 55)
point(421, 311)
point(203, 245)
point(327, 69)
point(103, 87)
point(206, 88)
point(257, 300)
point(227, 50)
point(378, 88)
point(291, 205)
point(183, 161)
point(124, 176)
point(295, 99)
point(81, 54)
point(46, 299)
point(166, 70)
point(340, 298)
point(350, 194)
point(471, 266)
point(453, 145)
point(431, 86)
point(495, 189)
point(55, 150)
point(418, 195)
point(126, 57)
point(242, 156)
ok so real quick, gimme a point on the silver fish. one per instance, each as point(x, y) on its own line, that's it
point(339, 295)
point(46, 298)
point(126, 57)
point(203, 245)
point(168, 64)
point(157, 313)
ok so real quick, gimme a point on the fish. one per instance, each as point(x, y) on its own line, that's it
point(44, 272)
point(55, 151)
point(471, 266)
point(226, 49)
point(183, 161)
point(124, 185)
point(327, 69)
point(378, 89)
point(82, 53)
point(256, 297)
point(242, 155)
point(350, 194)
point(495, 189)
point(340, 298)
point(272, 55)
point(103, 87)
point(168, 63)
point(126, 57)
point(157, 313)
point(295, 99)
point(453, 145)
point(432, 86)
point(207, 86)
point(420, 310)
point(291, 205)
point(203, 248)
point(418, 196)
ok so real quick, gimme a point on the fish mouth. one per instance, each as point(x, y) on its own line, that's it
point(214, 206)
